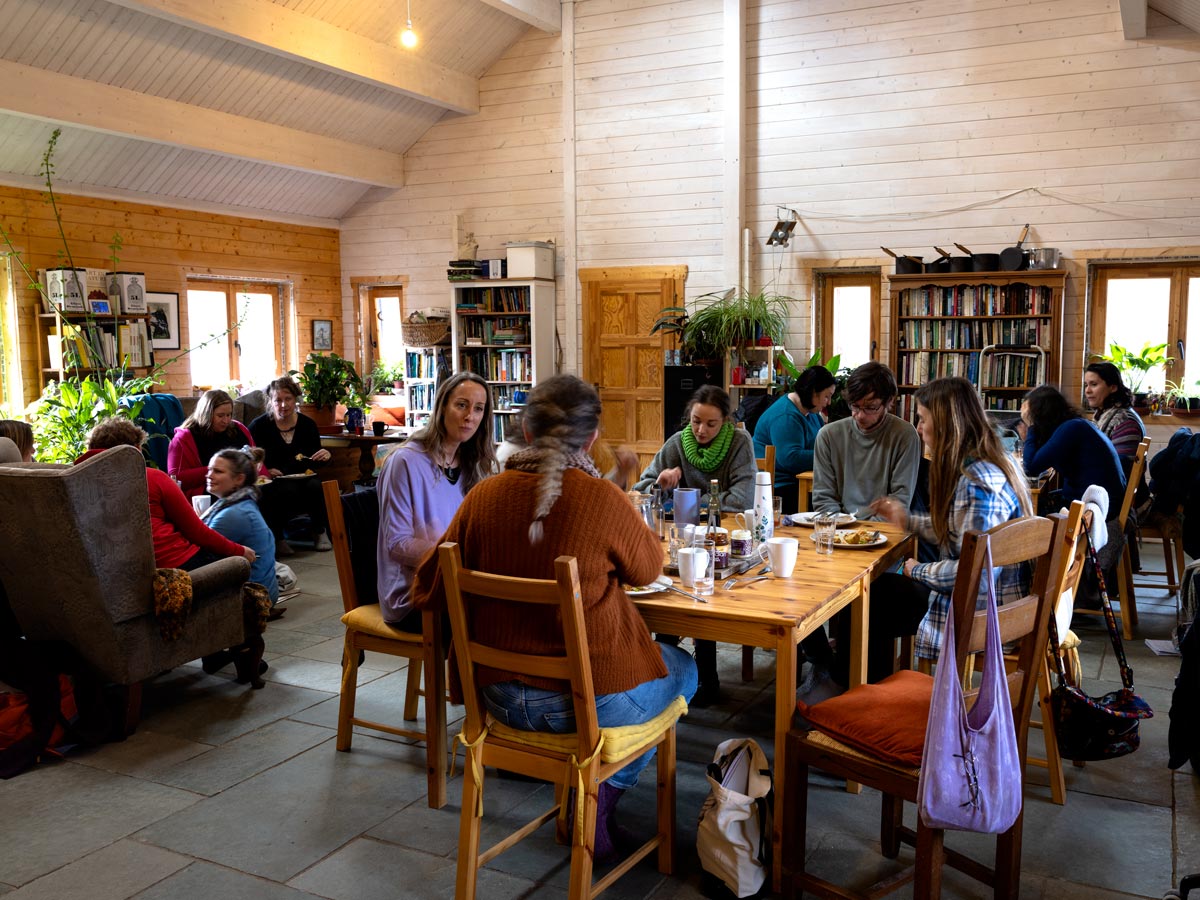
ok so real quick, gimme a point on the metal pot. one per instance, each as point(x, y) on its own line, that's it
point(982, 262)
point(939, 265)
point(906, 265)
point(1044, 258)
point(956, 263)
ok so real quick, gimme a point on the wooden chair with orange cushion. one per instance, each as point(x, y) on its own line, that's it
point(578, 761)
point(884, 751)
point(366, 630)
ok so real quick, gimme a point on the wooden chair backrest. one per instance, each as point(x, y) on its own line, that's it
point(1135, 478)
point(341, 546)
point(1074, 550)
point(766, 462)
point(572, 666)
point(1034, 540)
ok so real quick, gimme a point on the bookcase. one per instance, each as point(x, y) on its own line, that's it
point(503, 330)
point(420, 382)
point(1002, 331)
point(750, 369)
point(79, 342)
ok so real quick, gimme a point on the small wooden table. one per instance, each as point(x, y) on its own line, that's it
point(804, 482)
point(780, 612)
point(339, 444)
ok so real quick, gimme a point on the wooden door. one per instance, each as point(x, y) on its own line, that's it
point(621, 356)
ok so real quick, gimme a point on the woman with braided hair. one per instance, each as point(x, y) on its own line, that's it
point(551, 501)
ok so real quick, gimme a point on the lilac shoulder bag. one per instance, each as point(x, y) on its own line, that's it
point(970, 770)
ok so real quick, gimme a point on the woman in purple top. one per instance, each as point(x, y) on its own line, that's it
point(423, 483)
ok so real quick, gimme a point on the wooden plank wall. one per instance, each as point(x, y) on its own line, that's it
point(169, 245)
point(501, 170)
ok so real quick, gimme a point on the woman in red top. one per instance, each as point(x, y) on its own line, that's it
point(211, 427)
point(181, 540)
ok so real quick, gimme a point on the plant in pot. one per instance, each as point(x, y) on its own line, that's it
point(1134, 366)
point(326, 380)
point(724, 320)
point(1182, 399)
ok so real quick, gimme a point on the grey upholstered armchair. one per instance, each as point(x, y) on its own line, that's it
point(77, 561)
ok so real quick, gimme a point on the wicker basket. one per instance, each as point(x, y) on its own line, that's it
point(424, 334)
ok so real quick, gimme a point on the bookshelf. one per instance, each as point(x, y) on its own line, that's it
point(757, 370)
point(420, 382)
point(1002, 331)
point(503, 330)
point(69, 343)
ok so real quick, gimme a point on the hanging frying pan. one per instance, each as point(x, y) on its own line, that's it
point(982, 262)
point(906, 265)
point(1013, 259)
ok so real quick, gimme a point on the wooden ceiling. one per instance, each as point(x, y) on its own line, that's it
point(289, 108)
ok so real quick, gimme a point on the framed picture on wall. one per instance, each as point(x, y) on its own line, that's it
point(163, 310)
point(322, 334)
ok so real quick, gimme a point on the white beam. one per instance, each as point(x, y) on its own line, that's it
point(733, 55)
point(544, 15)
point(279, 30)
point(1133, 19)
point(100, 107)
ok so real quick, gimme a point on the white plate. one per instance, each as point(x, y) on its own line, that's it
point(805, 519)
point(658, 584)
point(297, 475)
point(839, 537)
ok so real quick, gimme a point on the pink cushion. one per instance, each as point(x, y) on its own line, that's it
point(886, 720)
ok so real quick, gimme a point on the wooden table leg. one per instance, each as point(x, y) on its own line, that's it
point(860, 610)
point(785, 707)
point(435, 708)
point(366, 463)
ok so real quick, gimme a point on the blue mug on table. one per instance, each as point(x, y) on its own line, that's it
point(520, 396)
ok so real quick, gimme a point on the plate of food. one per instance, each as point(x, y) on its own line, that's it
point(857, 538)
point(307, 473)
point(662, 582)
point(805, 519)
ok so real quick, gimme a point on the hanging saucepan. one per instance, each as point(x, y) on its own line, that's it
point(939, 265)
point(1013, 259)
point(955, 263)
point(906, 265)
point(1044, 258)
point(982, 262)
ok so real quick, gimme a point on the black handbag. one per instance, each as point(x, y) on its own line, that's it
point(1095, 728)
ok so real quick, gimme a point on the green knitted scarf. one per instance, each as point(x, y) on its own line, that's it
point(707, 458)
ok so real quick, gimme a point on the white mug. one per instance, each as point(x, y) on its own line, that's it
point(693, 564)
point(781, 552)
point(746, 520)
point(201, 503)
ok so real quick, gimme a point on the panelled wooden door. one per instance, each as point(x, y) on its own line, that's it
point(621, 356)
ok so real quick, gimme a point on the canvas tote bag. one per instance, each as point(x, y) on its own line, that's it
point(734, 835)
point(970, 776)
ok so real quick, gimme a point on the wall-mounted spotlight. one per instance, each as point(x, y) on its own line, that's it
point(783, 229)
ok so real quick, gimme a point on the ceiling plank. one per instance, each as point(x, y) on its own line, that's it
point(544, 15)
point(1133, 19)
point(279, 30)
point(99, 107)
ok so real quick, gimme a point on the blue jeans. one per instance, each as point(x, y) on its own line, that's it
point(518, 705)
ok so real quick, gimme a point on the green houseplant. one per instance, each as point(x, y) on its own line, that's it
point(327, 380)
point(720, 321)
point(1135, 366)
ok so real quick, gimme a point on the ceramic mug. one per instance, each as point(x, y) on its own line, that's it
point(687, 506)
point(695, 566)
point(781, 553)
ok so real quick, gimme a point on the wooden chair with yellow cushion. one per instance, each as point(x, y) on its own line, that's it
point(765, 463)
point(884, 751)
point(579, 761)
point(366, 630)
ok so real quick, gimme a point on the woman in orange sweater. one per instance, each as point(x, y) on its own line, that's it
point(550, 502)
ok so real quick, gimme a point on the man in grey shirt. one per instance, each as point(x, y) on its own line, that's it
point(871, 455)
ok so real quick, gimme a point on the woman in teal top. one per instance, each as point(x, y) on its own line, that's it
point(791, 423)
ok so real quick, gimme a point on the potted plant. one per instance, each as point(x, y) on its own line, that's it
point(1135, 366)
point(722, 321)
point(1183, 400)
point(326, 380)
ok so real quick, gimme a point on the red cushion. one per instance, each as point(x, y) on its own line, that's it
point(886, 720)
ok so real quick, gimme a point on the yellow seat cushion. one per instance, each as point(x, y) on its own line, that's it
point(820, 739)
point(618, 742)
point(369, 620)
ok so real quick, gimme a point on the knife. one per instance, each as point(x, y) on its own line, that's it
point(671, 587)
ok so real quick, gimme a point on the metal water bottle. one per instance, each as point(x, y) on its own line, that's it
point(764, 507)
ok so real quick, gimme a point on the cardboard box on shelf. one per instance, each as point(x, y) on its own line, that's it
point(530, 259)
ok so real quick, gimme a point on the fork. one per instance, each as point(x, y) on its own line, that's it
point(734, 583)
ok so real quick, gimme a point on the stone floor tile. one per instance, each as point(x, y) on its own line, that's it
point(204, 881)
point(72, 811)
point(115, 872)
point(323, 625)
point(280, 822)
point(381, 699)
point(244, 757)
point(144, 754)
point(331, 651)
point(312, 674)
point(1186, 784)
point(283, 642)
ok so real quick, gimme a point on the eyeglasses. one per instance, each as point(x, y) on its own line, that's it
point(865, 410)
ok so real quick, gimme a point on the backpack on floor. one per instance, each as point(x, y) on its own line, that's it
point(733, 838)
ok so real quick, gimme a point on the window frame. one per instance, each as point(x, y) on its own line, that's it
point(231, 289)
point(830, 281)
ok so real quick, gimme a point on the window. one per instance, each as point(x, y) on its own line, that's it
point(386, 311)
point(849, 324)
point(240, 326)
point(1136, 305)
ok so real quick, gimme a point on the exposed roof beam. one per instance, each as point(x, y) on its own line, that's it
point(100, 107)
point(544, 15)
point(279, 30)
point(1133, 19)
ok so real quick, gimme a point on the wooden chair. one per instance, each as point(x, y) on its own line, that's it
point(366, 630)
point(1169, 532)
point(577, 761)
point(1023, 621)
point(1124, 588)
point(765, 463)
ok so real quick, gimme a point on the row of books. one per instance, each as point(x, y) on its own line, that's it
point(499, 299)
point(420, 396)
point(96, 346)
point(939, 334)
point(419, 364)
point(906, 405)
point(925, 365)
point(504, 330)
point(976, 300)
point(1012, 370)
point(499, 365)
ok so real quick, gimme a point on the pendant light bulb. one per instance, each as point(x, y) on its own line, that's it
point(408, 37)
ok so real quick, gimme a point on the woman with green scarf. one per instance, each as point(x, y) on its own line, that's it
point(709, 446)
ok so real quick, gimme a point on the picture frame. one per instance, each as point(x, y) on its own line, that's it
point(100, 307)
point(163, 325)
point(322, 334)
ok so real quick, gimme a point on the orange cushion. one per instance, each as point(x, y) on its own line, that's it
point(886, 720)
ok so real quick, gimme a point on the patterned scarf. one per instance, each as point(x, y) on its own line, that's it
point(549, 488)
point(706, 459)
point(530, 460)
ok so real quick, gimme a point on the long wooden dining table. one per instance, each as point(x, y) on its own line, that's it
point(778, 613)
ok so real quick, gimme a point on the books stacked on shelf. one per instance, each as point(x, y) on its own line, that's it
point(418, 364)
point(499, 365)
point(941, 334)
point(464, 270)
point(924, 365)
point(420, 397)
point(93, 346)
point(483, 330)
point(1012, 370)
point(976, 300)
point(498, 299)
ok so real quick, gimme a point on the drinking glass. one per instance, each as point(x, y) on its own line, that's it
point(777, 503)
point(705, 562)
point(677, 540)
point(824, 527)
